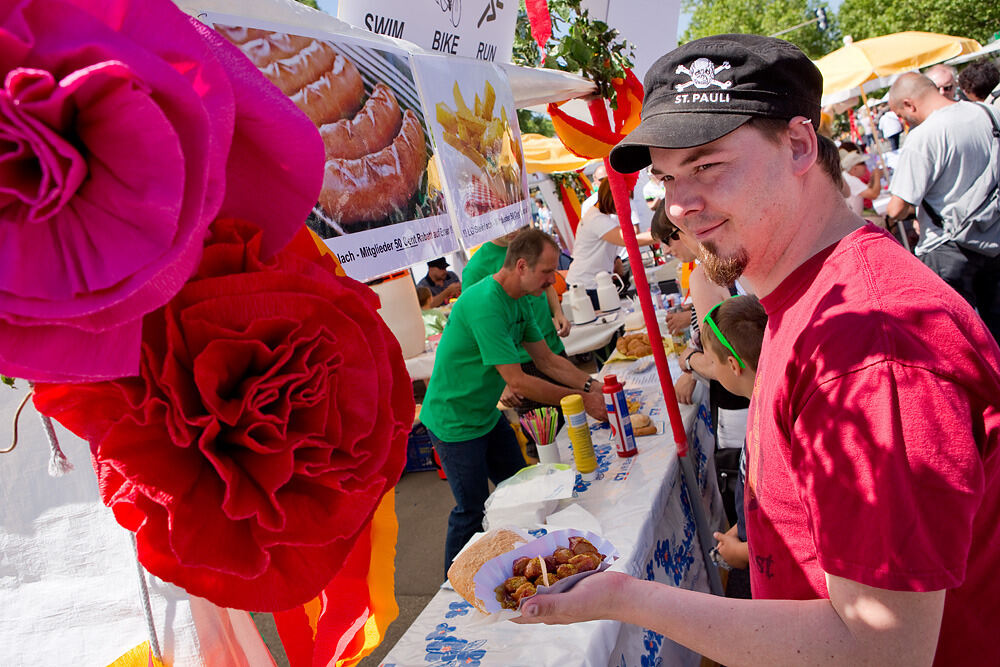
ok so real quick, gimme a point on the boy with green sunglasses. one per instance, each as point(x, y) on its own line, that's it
point(733, 334)
point(732, 337)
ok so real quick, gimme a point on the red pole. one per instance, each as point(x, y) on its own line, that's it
point(599, 114)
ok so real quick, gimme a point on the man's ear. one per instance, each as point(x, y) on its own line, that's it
point(803, 142)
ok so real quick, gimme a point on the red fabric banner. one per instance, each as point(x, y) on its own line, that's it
point(540, 21)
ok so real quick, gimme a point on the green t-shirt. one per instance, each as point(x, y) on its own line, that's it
point(485, 329)
point(485, 262)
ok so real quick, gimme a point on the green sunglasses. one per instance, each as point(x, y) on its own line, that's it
point(718, 334)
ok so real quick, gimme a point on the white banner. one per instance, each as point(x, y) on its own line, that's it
point(498, 222)
point(376, 252)
point(481, 29)
point(472, 117)
point(379, 209)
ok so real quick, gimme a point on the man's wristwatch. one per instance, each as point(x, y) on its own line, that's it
point(588, 384)
point(686, 366)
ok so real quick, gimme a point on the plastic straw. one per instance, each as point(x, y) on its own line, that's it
point(540, 424)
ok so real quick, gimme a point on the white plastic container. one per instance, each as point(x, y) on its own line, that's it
point(401, 312)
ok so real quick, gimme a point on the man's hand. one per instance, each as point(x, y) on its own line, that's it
point(452, 290)
point(561, 324)
point(684, 388)
point(678, 321)
point(593, 402)
point(510, 399)
point(733, 549)
point(588, 600)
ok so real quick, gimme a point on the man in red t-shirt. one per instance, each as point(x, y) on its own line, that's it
point(873, 444)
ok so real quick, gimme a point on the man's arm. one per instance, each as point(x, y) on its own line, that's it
point(874, 187)
point(614, 237)
point(558, 368)
point(858, 625)
point(559, 320)
point(898, 209)
point(445, 294)
point(523, 385)
point(571, 379)
point(698, 361)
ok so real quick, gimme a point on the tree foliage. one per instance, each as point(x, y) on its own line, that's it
point(978, 19)
point(714, 17)
point(579, 44)
point(534, 123)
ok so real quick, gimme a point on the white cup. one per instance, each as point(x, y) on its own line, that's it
point(548, 453)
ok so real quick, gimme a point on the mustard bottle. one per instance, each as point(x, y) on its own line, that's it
point(579, 435)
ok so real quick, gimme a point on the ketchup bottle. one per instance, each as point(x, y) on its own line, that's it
point(618, 417)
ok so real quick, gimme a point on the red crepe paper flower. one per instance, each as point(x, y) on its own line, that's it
point(269, 418)
point(126, 127)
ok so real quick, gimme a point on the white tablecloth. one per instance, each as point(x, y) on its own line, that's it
point(586, 337)
point(644, 511)
point(420, 366)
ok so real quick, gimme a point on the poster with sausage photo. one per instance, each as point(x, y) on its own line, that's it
point(380, 208)
point(472, 116)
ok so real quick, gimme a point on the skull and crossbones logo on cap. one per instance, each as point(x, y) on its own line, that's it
point(702, 72)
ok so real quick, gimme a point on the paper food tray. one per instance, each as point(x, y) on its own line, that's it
point(496, 571)
point(668, 346)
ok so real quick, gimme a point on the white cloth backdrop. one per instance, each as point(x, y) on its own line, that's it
point(69, 586)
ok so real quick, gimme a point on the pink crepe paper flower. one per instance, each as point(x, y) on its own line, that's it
point(126, 127)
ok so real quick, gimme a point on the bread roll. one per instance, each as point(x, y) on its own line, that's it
point(467, 564)
point(640, 420)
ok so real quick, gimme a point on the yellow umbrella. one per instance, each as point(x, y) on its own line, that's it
point(547, 155)
point(879, 59)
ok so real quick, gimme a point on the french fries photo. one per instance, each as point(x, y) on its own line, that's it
point(483, 134)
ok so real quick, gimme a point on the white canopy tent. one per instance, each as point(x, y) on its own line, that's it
point(531, 86)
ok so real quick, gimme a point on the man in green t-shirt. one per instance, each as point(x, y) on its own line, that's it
point(477, 356)
point(545, 309)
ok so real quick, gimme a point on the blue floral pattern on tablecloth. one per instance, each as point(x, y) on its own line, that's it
point(458, 609)
point(454, 651)
point(444, 649)
point(699, 448)
point(652, 642)
point(675, 559)
point(603, 454)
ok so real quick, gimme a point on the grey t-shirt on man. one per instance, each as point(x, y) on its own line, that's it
point(950, 161)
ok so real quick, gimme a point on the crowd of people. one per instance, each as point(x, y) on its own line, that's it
point(856, 383)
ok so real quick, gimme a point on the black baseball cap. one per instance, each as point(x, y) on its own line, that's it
point(439, 263)
point(707, 88)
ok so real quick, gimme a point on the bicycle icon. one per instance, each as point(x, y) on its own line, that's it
point(453, 6)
